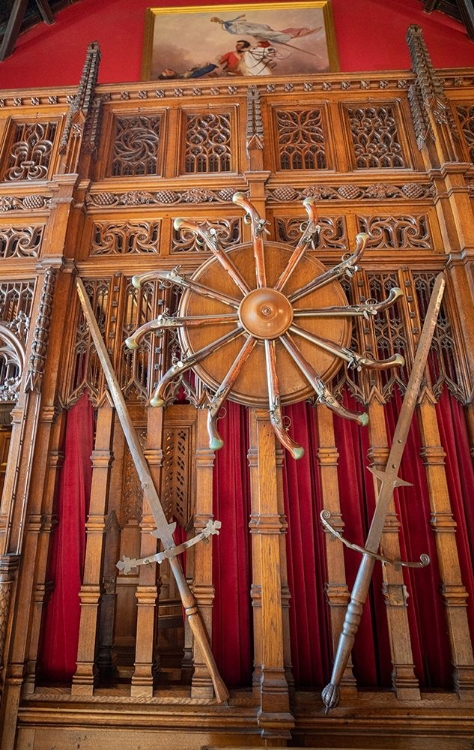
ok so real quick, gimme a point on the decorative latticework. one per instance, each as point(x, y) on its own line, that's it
point(136, 141)
point(466, 119)
point(301, 139)
point(15, 310)
point(131, 506)
point(229, 232)
point(138, 369)
point(20, 242)
point(175, 493)
point(444, 359)
point(125, 238)
point(30, 151)
point(352, 378)
point(331, 236)
point(389, 330)
point(208, 143)
point(87, 369)
point(396, 232)
point(375, 137)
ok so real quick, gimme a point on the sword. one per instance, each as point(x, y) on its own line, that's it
point(389, 481)
point(164, 530)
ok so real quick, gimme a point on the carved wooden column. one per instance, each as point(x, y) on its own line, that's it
point(452, 589)
point(86, 671)
point(147, 590)
point(285, 589)
point(337, 591)
point(201, 686)
point(404, 680)
point(266, 527)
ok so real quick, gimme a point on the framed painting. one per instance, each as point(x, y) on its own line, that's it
point(215, 41)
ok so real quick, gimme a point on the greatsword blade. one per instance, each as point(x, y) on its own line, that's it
point(163, 528)
point(389, 481)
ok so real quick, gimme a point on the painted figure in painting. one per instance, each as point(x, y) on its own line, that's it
point(262, 31)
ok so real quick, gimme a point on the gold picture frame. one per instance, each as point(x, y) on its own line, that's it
point(215, 41)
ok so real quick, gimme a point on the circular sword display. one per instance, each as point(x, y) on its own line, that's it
point(264, 324)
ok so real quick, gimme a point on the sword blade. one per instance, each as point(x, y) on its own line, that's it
point(389, 481)
point(149, 490)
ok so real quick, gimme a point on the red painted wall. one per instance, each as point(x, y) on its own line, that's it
point(370, 36)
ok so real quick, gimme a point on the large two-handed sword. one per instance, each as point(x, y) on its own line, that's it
point(164, 530)
point(389, 480)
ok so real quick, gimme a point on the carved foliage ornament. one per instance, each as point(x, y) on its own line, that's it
point(375, 137)
point(124, 239)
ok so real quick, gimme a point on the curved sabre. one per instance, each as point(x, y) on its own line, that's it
point(185, 364)
point(211, 242)
point(347, 266)
point(323, 393)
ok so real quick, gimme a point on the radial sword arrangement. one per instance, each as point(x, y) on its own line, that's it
point(264, 324)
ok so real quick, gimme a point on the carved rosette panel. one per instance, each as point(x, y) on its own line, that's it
point(301, 140)
point(20, 242)
point(389, 331)
point(332, 235)
point(444, 360)
point(396, 232)
point(125, 239)
point(229, 232)
point(176, 494)
point(375, 137)
point(466, 120)
point(30, 151)
point(87, 370)
point(136, 142)
point(140, 368)
point(208, 143)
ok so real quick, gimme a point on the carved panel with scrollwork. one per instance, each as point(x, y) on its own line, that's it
point(20, 242)
point(208, 143)
point(29, 151)
point(332, 234)
point(229, 232)
point(111, 238)
point(375, 137)
point(135, 146)
point(301, 139)
point(396, 232)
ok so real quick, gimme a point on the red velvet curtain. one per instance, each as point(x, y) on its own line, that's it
point(61, 623)
point(232, 613)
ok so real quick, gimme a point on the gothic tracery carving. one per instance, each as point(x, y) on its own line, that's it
point(30, 152)
point(20, 242)
point(301, 139)
point(396, 232)
point(125, 238)
point(136, 143)
point(208, 138)
point(375, 137)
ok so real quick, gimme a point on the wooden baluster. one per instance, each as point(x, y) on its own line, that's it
point(404, 681)
point(452, 588)
point(201, 686)
point(266, 526)
point(147, 589)
point(337, 591)
point(85, 676)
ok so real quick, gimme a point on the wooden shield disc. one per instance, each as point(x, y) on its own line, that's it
point(264, 313)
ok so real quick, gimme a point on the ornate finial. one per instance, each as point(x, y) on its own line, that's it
point(83, 100)
point(254, 119)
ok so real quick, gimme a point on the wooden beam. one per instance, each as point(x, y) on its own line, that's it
point(466, 9)
point(13, 28)
point(45, 11)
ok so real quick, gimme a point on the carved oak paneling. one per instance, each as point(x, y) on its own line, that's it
point(20, 242)
point(466, 119)
point(125, 238)
point(301, 139)
point(29, 151)
point(176, 492)
point(332, 234)
point(229, 232)
point(396, 232)
point(15, 310)
point(208, 143)
point(375, 137)
point(135, 146)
